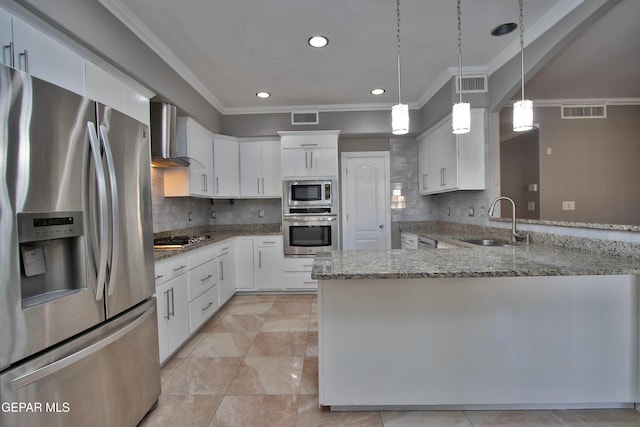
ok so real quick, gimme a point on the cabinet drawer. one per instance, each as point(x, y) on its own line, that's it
point(298, 264)
point(408, 240)
point(169, 268)
point(201, 255)
point(202, 278)
point(202, 308)
point(224, 248)
point(267, 241)
point(299, 280)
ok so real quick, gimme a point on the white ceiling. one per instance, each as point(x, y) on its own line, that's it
point(231, 49)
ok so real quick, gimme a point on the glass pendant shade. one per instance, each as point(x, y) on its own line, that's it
point(461, 118)
point(523, 115)
point(400, 119)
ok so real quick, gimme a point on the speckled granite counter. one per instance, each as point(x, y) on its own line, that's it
point(510, 261)
point(217, 234)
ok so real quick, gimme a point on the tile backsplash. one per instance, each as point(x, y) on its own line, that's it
point(175, 213)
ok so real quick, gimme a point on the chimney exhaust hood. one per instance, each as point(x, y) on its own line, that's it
point(165, 150)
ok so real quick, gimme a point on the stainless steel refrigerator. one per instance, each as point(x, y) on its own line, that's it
point(78, 331)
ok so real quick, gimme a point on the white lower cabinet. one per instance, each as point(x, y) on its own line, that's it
point(297, 273)
point(268, 259)
point(172, 301)
point(226, 271)
point(244, 263)
point(203, 281)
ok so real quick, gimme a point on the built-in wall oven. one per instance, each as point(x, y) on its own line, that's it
point(309, 234)
point(310, 216)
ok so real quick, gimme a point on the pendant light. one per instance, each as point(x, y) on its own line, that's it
point(400, 111)
point(523, 109)
point(461, 112)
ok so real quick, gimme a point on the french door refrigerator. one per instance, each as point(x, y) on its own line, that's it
point(78, 328)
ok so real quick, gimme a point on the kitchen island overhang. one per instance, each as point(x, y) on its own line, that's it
point(454, 340)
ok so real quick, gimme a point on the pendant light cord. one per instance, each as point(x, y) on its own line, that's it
point(398, 47)
point(521, 3)
point(460, 51)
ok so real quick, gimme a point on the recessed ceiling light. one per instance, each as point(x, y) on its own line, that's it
point(318, 41)
point(263, 95)
point(377, 91)
point(503, 29)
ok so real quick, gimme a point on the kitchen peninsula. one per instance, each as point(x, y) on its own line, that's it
point(531, 326)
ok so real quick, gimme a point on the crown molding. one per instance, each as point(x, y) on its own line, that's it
point(131, 21)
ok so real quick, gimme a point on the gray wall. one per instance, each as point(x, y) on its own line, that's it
point(594, 162)
point(520, 167)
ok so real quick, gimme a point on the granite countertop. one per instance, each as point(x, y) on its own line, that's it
point(468, 261)
point(216, 236)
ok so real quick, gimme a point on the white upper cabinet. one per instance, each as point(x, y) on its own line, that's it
point(196, 180)
point(6, 38)
point(260, 171)
point(448, 162)
point(226, 166)
point(36, 53)
point(312, 153)
point(109, 90)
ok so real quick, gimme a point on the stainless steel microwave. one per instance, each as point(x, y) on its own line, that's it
point(311, 193)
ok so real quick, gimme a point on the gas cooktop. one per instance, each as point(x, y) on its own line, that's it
point(177, 242)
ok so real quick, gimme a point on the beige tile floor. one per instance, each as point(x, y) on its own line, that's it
point(255, 364)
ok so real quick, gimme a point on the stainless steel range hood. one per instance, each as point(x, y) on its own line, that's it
point(165, 150)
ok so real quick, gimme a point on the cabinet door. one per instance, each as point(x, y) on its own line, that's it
point(250, 168)
point(448, 155)
point(226, 278)
point(226, 165)
point(244, 263)
point(173, 315)
point(295, 162)
point(45, 58)
point(200, 147)
point(269, 262)
point(323, 161)
point(271, 180)
point(6, 38)
point(423, 171)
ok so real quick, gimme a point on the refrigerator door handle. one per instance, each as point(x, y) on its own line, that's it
point(60, 364)
point(101, 274)
point(114, 248)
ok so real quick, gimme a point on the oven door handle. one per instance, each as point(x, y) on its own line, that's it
point(289, 218)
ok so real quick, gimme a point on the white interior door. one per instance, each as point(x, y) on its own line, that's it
point(365, 201)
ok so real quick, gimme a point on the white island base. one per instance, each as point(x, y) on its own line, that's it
point(479, 343)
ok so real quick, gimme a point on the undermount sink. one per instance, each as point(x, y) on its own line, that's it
point(485, 242)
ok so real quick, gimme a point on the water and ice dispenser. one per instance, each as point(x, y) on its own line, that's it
point(52, 255)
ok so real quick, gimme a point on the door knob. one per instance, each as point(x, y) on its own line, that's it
point(381, 226)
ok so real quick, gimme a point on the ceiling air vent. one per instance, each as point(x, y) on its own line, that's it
point(584, 111)
point(472, 83)
point(305, 118)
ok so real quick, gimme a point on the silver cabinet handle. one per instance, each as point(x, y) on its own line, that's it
point(312, 160)
point(217, 185)
point(444, 176)
point(12, 60)
point(25, 55)
point(207, 306)
point(258, 185)
point(308, 145)
point(307, 265)
point(180, 268)
point(166, 294)
point(159, 276)
point(221, 270)
point(173, 305)
point(205, 278)
point(269, 242)
point(259, 259)
point(306, 160)
point(424, 181)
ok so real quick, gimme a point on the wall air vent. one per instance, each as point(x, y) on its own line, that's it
point(472, 83)
point(584, 111)
point(305, 118)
